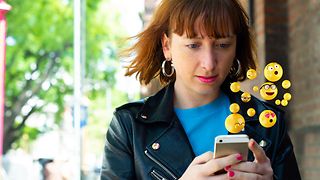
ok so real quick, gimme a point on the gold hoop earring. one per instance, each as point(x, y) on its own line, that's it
point(163, 68)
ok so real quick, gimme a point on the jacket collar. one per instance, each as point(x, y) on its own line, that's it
point(159, 107)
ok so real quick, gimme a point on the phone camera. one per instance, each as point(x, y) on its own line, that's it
point(220, 140)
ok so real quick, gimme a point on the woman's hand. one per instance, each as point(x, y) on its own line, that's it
point(260, 168)
point(204, 166)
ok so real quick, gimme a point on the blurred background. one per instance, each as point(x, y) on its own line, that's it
point(41, 135)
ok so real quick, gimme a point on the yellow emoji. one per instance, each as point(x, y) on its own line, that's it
point(273, 72)
point(267, 118)
point(287, 96)
point(268, 91)
point(251, 74)
point(234, 123)
point(286, 84)
point(251, 112)
point(245, 97)
point(284, 102)
point(235, 87)
point(234, 108)
point(255, 88)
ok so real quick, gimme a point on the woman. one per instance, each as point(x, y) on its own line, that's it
point(196, 48)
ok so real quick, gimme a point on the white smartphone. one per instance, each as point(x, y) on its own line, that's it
point(231, 144)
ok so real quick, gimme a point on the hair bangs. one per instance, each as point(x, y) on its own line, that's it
point(216, 18)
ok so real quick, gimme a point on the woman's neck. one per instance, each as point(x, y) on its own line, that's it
point(184, 99)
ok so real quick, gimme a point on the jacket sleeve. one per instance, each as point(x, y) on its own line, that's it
point(285, 165)
point(117, 159)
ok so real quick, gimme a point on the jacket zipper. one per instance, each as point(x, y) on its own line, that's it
point(159, 164)
point(157, 175)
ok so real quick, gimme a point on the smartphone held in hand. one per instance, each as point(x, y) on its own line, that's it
point(231, 144)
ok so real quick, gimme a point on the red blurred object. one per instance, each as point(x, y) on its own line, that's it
point(4, 8)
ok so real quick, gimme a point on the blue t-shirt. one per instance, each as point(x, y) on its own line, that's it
point(202, 124)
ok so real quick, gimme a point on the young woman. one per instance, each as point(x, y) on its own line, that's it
point(196, 48)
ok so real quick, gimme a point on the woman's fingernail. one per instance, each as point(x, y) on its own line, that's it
point(239, 157)
point(227, 168)
point(252, 143)
point(230, 173)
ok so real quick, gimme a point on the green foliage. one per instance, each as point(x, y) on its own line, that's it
point(39, 67)
point(28, 135)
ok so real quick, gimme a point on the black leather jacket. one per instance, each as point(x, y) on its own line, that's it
point(145, 140)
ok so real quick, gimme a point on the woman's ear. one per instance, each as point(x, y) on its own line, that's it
point(165, 41)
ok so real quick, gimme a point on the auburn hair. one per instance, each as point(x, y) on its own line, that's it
point(218, 18)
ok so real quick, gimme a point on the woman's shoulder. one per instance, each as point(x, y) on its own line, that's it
point(133, 107)
point(125, 115)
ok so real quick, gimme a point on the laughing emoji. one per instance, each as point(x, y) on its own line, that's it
point(268, 91)
point(267, 118)
point(235, 123)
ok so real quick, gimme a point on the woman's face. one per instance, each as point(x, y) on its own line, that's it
point(201, 63)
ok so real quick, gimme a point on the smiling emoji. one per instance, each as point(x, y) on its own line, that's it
point(234, 123)
point(268, 91)
point(273, 72)
point(267, 118)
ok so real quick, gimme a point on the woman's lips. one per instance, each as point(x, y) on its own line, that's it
point(207, 79)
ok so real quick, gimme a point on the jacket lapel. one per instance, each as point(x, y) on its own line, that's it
point(173, 142)
point(158, 108)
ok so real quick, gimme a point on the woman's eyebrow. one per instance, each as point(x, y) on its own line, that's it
point(194, 38)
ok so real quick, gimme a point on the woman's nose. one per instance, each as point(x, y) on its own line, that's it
point(209, 59)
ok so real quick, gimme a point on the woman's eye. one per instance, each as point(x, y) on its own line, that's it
point(193, 46)
point(222, 46)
